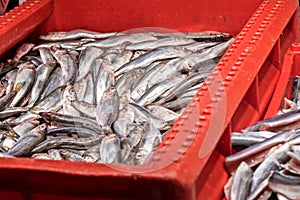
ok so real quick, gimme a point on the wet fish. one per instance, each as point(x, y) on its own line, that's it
point(3, 85)
point(11, 79)
point(119, 39)
point(249, 139)
point(167, 115)
point(108, 110)
point(62, 119)
point(46, 56)
point(124, 119)
point(109, 149)
point(154, 55)
point(52, 102)
point(183, 85)
point(153, 44)
point(154, 92)
point(125, 84)
point(264, 170)
point(80, 131)
point(24, 82)
point(23, 50)
point(143, 116)
point(86, 59)
point(234, 160)
point(42, 74)
point(67, 142)
point(151, 138)
point(27, 142)
point(75, 34)
point(286, 185)
point(13, 111)
point(105, 80)
point(67, 64)
point(241, 182)
point(273, 122)
point(54, 81)
point(85, 109)
point(6, 99)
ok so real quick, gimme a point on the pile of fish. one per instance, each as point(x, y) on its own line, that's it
point(268, 166)
point(101, 97)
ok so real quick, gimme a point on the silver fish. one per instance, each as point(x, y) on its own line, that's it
point(234, 160)
point(109, 149)
point(282, 119)
point(121, 59)
point(95, 68)
point(125, 117)
point(46, 56)
point(26, 143)
point(141, 86)
point(154, 92)
point(52, 102)
point(177, 104)
point(154, 55)
point(75, 34)
point(6, 99)
point(125, 84)
point(167, 115)
point(54, 81)
point(153, 44)
point(264, 170)
point(135, 133)
point(69, 95)
point(92, 154)
point(13, 111)
point(11, 79)
point(108, 110)
point(250, 138)
point(42, 74)
point(198, 46)
point(117, 40)
point(61, 119)
point(86, 59)
point(105, 80)
point(67, 142)
point(23, 50)
point(143, 116)
point(241, 182)
point(67, 64)
point(168, 70)
point(80, 88)
point(69, 155)
point(42, 156)
point(22, 128)
point(80, 131)
point(86, 109)
point(183, 85)
point(286, 185)
point(89, 91)
point(151, 138)
point(23, 84)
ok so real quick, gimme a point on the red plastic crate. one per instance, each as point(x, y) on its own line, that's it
point(189, 162)
point(291, 68)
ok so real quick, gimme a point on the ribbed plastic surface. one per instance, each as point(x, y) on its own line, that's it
point(189, 163)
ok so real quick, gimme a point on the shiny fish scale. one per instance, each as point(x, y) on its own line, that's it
point(100, 97)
